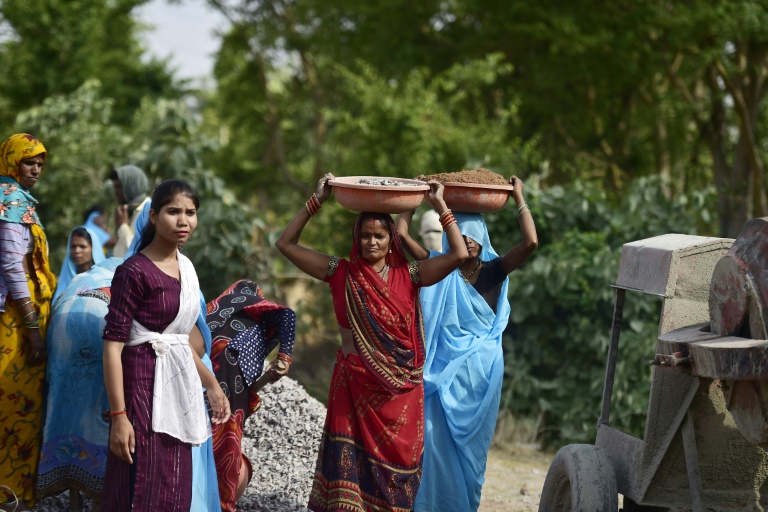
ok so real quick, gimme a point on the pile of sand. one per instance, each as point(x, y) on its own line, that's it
point(480, 176)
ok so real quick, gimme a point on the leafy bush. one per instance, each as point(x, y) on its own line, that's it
point(166, 141)
point(562, 305)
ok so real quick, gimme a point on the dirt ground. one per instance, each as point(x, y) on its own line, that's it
point(514, 478)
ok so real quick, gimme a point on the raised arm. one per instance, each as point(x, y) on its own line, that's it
point(519, 253)
point(311, 262)
point(434, 269)
point(411, 246)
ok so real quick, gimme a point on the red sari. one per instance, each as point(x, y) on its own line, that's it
point(373, 438)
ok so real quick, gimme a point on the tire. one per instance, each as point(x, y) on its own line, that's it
point(580, 479)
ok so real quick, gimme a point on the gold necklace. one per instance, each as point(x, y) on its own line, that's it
point(468, 277)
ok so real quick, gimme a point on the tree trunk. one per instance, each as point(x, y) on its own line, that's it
point(734, 188)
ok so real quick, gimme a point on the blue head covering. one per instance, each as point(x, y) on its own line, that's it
point(100, 232)
point(69, 270)
point(472, 225)
point(141, 224)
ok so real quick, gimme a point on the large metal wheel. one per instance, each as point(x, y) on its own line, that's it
point(580, 479)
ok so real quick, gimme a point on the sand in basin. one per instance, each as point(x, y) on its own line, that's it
point(479, 176)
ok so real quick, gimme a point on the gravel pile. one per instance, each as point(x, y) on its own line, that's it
point(385, 182)
point(281, 440)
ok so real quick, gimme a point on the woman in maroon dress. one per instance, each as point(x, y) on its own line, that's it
point(152, 375)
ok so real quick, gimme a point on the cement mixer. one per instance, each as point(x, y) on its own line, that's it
point(706, 427)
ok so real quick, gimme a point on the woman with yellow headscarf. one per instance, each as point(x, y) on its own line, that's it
point(26, 288)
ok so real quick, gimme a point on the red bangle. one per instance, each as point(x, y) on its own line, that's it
point(113, 414)
point(284, 357)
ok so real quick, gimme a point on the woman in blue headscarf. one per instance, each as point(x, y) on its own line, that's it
point(465, 315)
point(84, 250)
point(76, 433)
point(95, 221)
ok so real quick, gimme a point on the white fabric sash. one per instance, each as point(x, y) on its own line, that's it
point(177, 409)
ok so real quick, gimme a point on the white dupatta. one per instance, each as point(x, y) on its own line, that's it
point(176, 408)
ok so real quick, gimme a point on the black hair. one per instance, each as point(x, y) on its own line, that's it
point(95, 208)
point(82, 233)
point(113, 175)
point(161, 196)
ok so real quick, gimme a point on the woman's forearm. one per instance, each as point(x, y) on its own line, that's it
point(292, 232)
point(527, 226)
point(411, 246)
point(27, 308)
point(113, 374)
point(309, 261)
point(434, 269)
point(206, 376)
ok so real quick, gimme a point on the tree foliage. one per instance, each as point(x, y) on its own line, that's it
point(53, 46)
point(606, 91)
point(562, 305)
point(165, 140)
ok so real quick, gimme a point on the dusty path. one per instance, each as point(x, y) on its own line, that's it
point(513, 479)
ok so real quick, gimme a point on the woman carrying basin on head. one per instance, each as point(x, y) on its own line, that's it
point(465, 316)
point(370, 453)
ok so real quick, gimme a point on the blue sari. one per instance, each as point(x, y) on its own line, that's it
point(205, 487)
point(103, 235)
point(463, 371)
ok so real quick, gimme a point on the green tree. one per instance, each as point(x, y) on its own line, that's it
point(53, 46)
point(165, 140)
point(607, 91)
point(562, 305)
